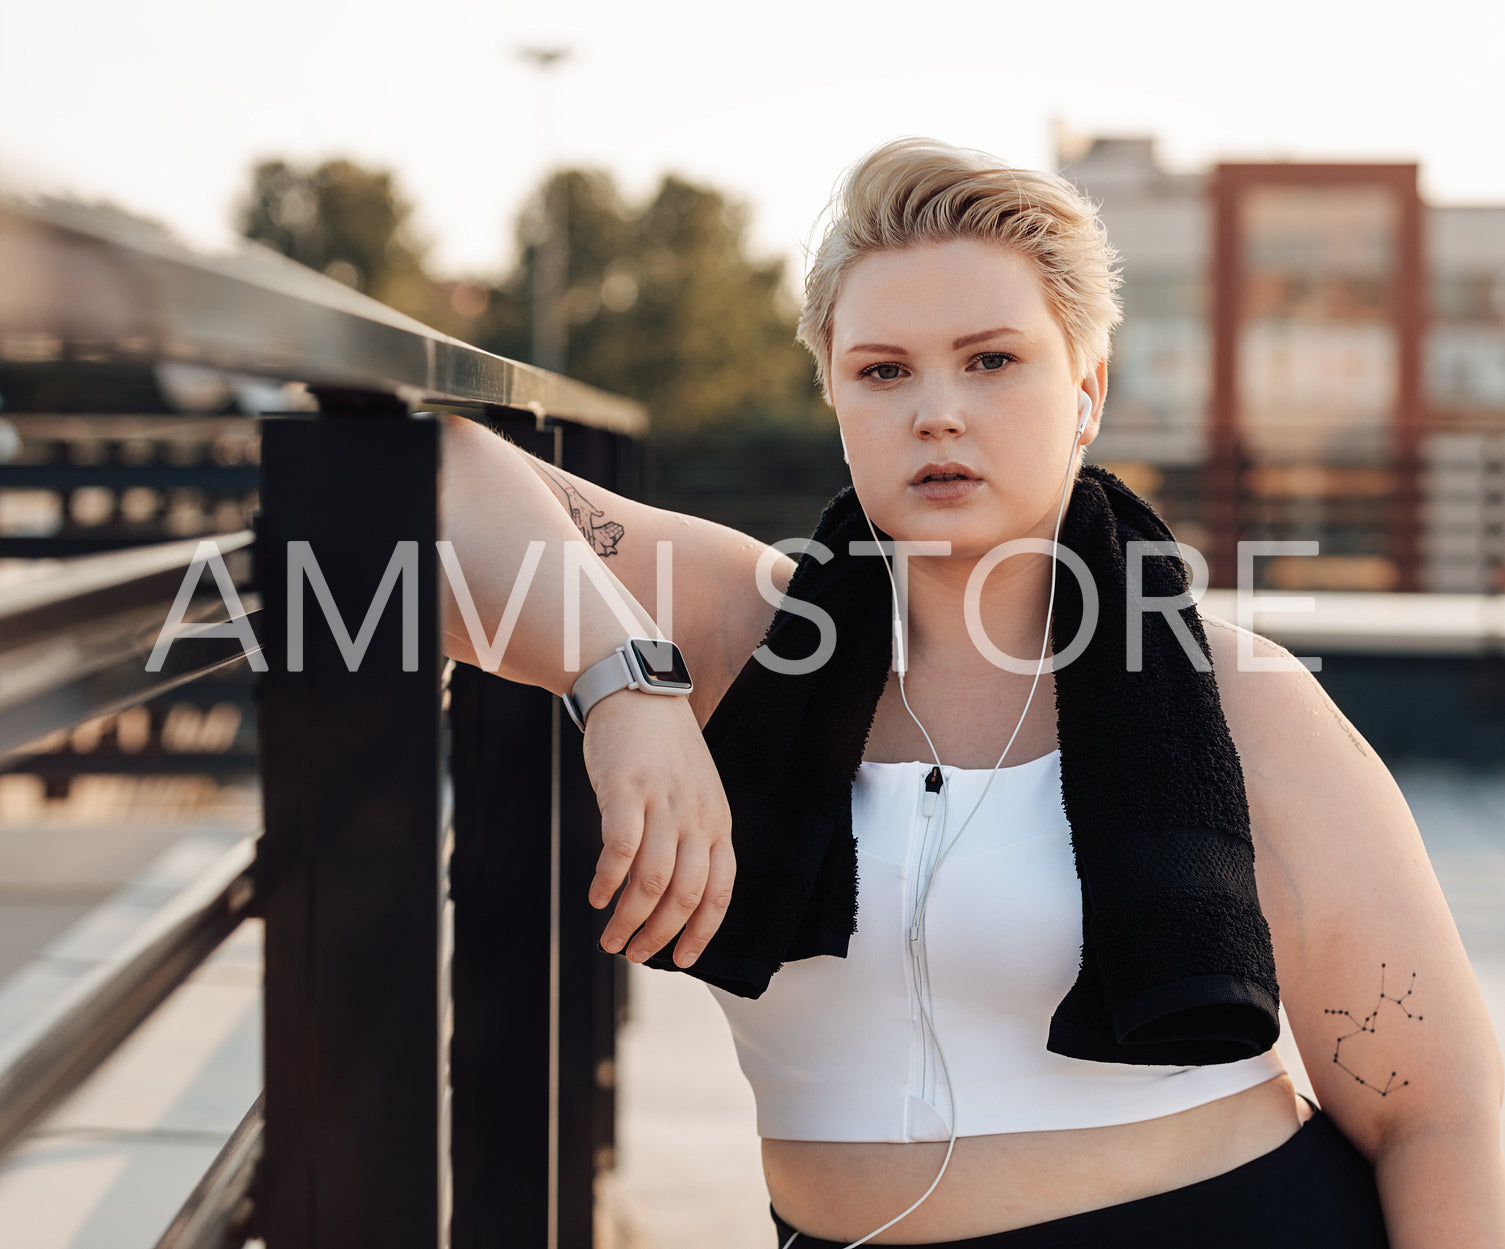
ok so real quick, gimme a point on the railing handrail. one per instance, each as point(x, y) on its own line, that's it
point(45, 1063)
point(80, 578)
point(80, 287)
point(215, 1210)
point(73, 644)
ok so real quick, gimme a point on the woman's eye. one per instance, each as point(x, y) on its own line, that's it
point(883, 372)
point(992, 361)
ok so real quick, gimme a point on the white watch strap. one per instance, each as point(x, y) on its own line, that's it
point(607, 677)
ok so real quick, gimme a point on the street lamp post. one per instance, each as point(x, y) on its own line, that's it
point(551, 260)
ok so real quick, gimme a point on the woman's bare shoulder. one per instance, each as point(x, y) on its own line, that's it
point(1276, 708)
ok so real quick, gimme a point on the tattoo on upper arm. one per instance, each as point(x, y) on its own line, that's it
point(1370, 1024)
point(602, 534)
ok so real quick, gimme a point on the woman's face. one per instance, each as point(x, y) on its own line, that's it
point(953, 386)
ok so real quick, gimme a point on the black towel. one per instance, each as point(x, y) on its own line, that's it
point(1177, 966)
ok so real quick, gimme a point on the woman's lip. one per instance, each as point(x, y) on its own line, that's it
point(936, 468)
point(946, 491)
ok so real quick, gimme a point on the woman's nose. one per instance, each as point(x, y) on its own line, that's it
point(940, 414)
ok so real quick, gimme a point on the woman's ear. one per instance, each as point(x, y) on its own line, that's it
point(1095, 386)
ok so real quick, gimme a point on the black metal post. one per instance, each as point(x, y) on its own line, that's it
point(504, 748)
point(536, 1003)
point(586, 1010)
point(503, 745)
point(596, 985)
point(350, 866)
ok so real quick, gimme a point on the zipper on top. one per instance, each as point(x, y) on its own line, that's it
point(930, 798)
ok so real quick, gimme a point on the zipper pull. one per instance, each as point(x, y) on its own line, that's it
point(933, 784)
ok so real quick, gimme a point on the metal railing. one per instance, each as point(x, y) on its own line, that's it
point(438, 1022)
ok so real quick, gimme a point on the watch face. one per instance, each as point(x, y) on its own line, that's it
point(662, 664)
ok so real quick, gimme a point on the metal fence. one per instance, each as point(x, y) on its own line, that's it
point(439, 1025)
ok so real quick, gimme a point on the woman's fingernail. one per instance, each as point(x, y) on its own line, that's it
point(611, 944)
point(685, 958)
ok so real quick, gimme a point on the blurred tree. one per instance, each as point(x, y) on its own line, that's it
point(663, 302)
point(665, 305)
point(352, 224)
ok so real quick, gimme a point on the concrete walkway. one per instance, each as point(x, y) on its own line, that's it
point(689, 1170)
point(60, 859)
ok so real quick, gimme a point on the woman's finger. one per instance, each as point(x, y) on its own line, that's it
point(621, 838)
point(708, 915)
point(678, 903)
point(652, 872)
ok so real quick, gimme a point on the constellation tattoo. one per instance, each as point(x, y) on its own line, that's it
point(1370, 1025)
point(602, 534)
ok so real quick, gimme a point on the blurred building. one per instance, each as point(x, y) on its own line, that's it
point(1309, 352)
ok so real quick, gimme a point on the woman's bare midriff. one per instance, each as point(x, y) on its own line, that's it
point(839, 1190)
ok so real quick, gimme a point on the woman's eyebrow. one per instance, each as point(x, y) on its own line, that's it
point(982, 336)
point(966, 340)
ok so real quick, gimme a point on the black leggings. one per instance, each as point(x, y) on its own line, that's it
point(1316, 1191)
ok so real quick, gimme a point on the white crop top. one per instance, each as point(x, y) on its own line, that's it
point(836, 1049)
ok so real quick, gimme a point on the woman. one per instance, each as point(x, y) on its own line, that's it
point(959, 313)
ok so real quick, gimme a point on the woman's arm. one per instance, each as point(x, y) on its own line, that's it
point(1385, 1009)
point(496, 500)
point(664, 818)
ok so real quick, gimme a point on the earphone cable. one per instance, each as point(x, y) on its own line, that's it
point(1034, 684)
point(901, 666)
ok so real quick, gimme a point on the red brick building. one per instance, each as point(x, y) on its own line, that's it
point(1310, 352)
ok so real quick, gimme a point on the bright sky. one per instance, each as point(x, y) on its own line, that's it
point(162, 105)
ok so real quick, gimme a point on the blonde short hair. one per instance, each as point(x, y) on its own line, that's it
point(915, 191)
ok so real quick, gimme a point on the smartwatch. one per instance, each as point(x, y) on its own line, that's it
point(646, 664)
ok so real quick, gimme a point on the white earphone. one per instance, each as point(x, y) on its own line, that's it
point(916, 929)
